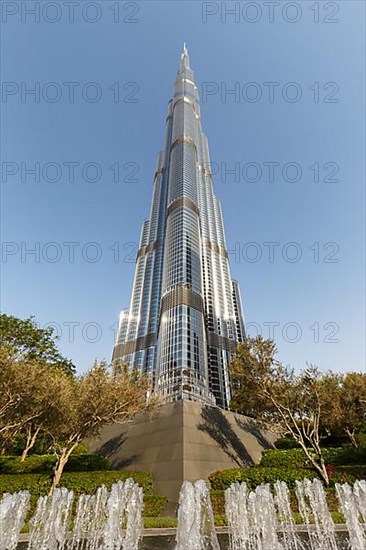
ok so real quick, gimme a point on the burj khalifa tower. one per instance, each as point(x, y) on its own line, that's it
point(185, 318)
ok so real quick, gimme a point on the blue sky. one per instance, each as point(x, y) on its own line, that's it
point(310, 291)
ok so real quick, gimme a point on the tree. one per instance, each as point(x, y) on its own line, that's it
point(28, 398)
point(15, 383)
point(345, 409)
point(280, 400)
point(43, 400)
point(22, 339)
point(86, 403)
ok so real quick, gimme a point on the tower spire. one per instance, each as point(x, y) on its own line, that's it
point(184, 58)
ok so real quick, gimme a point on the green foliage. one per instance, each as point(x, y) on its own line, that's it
point(337, 518)
point(22, 338)
point(87, 463)
point(220, 520)
point(348, 474)
point(218, 501)
point(256, 476)
point(295, 458)
point(79, 482)
point(286, 443)
point(16, 446)
point(154, 505)
point(361, 439)
point(160, 522)
point(81, 449)
point(333, 441)
point(35, 464)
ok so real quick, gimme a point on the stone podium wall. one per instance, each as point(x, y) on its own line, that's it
point(182, 441)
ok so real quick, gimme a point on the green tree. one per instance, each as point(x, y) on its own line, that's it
point(23, 339)
point(345, 407)
point(280, 400)
point(88, 402)
point(28, 398)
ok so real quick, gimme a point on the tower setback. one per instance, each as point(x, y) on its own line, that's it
point(185, 318)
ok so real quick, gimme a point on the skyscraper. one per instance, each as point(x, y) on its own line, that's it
point(185, 318)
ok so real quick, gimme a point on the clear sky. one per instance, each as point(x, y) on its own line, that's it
point(293, 132)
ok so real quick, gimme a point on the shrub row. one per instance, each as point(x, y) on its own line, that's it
point(218, 501)
point(79, 482)
point(159, 522)
point(154, 505)
point(347, 474)
point(253, 477)
point(296, 458)
point(35, 464)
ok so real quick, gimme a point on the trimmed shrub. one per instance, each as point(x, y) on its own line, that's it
point(87, 463)
point(79, 482)
point(220, 520)
point(287, 458)
point(286, 443)
point(253, 477)
point(337, 517)
point(159, 523)
point(218, 501)
point(347, 474)
point(154, 505)
point(43, 464)
point(361, 439)
point(296, 458)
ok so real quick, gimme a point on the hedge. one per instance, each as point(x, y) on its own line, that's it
point(218, 501)
point(79, 482)
point(286, 443)
point(45, 463)
point(159, 523)
point(256, 476)
point(347, 474)
point(154, 505)
point(296, 458)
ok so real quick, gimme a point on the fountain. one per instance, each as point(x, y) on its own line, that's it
point(353, 507)
point(104, 521)
point(13, 511)
point(196, 528)
point(261, 519)
point(313, 504)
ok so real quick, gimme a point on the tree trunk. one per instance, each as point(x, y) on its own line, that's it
point(351, 435)
point(60, 465)
point(324, 472)
point(31, 439)
point(320, 468)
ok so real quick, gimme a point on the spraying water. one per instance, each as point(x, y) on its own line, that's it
point(313, 509)
point(353, 507)
point(104, 521)
point(13, 511)
point(90, 520)
point(257, 520)
point(251, 518)
point(196, 529)
point(262, 520)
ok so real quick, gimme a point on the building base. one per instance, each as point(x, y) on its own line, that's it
point(183, 441)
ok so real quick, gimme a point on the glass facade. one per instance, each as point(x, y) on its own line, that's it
point(185, 318)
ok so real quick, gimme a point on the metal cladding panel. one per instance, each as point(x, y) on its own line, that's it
point(185, 318)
